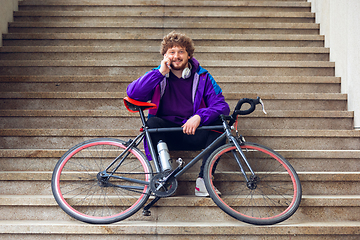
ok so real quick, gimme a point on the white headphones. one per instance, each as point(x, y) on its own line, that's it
point(186, 72)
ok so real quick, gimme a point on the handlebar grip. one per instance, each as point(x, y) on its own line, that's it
point(252, 102)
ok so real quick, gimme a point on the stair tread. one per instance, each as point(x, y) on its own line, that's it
point(188, 201)
point(119, 95)
point(195, 37)
point(293, 153)
point(130, 78)
point(153, 63)
point(181, 228)
point(125, 113)
point(154, 49)
point(27, 132)
point(167, 3)
point(304, 176)
point(184, 14)
point(165, 24)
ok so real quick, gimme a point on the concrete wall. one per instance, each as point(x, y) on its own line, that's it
point(6, 14)
point(340, 23)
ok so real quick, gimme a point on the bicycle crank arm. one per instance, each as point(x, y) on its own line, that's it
point(181, 165)
point(146, 212)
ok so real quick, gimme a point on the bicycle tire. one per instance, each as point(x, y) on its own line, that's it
point(273, 198)
point(85, 196)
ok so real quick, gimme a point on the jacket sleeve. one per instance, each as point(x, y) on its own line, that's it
point(143, 88)
point(214, 101)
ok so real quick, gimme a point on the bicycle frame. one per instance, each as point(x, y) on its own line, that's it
point(227, 134)
point(146, 133)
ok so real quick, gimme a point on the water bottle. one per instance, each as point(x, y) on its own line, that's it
point(164, 156)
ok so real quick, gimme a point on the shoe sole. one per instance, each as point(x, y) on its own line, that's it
point(199, 194)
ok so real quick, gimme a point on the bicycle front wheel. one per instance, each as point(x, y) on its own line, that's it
point(86, 190)
point(270, 196)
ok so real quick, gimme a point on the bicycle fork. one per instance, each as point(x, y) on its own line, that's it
point(251, 183)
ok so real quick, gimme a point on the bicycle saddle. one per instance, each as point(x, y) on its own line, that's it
point(134, 105)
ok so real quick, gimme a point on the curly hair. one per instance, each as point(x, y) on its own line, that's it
point(175, 39)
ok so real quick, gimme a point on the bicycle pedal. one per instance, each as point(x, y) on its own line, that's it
point(146, 213)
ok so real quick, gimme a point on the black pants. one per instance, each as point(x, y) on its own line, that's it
point(181, 141)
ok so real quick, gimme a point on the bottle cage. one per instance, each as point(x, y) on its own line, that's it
point(134, 105)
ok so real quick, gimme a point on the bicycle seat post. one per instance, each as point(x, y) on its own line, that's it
point(148, 139)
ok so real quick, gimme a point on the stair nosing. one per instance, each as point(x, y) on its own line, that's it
point(304, 176)
point(173, 4)
point(130, 78)
point(150, 49)
point(153, 63)
point(187, 201)
point(254, 14)
point(289, 154)
point(162, 25)
point(195, 37)
point(295, 133)
point(125, 113)
point(215, 228)
point(120, 95)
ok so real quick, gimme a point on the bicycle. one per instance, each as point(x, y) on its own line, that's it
point(104, 180)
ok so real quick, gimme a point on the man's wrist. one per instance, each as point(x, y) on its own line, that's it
point(162, 73)
point(199, 117)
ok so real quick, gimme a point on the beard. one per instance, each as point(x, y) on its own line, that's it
point(179, 67)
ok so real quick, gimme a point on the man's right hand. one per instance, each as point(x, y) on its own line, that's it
point(165, 66)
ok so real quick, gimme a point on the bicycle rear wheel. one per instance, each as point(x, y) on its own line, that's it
point(271, 197)
point(82, 191)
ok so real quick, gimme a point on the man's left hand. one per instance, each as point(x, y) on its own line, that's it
point(191, 125)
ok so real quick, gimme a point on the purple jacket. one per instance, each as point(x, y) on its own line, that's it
point(207, 97)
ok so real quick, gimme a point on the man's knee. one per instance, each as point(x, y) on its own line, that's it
point(154, 122)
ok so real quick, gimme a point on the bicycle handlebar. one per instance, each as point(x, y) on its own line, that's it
point(231, 118)
point(252, 102)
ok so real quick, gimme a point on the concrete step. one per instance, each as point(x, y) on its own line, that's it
point(114, 101)
point(166, 16)
point(258, 84)
point(177, 209)
point(158, 6)
point(302, 160)
point(179, 230)
point(240, 68)
point(160, 27)
point(273, 138)
point(138, 2)
point(313, 183)
point(158, 36)
point(108, 119)
point(114, 39)
point(135, 53)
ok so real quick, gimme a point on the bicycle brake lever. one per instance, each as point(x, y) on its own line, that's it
point(262, 105)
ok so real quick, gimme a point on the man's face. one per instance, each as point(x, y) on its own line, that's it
point(178, 56)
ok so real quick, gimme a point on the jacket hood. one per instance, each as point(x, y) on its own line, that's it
point(197, 66)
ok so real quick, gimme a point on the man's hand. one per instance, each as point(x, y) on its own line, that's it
point(165, 65)
point(191, 125)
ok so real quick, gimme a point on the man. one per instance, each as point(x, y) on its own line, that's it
point(186, 95)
